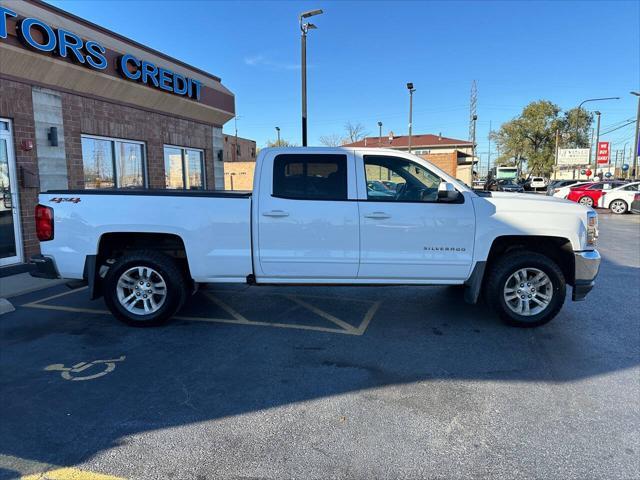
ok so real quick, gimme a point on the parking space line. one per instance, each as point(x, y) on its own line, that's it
point(226, 308)
point(368, 317)
point(57, 295)
point(238, 319)
point(48, 471)
point(69, 473)
point(321, 313)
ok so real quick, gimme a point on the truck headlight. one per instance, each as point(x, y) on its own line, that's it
point(592, 228)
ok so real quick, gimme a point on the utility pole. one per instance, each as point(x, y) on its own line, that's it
point(595, 159)
point(235, 149)
point(411, 90)
point(489, 154)
point(635, 143)
point(304, 28)
point(555, 170)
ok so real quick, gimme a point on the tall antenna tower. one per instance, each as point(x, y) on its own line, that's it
point(473, 114)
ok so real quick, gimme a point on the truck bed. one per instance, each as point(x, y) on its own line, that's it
point(215, 227)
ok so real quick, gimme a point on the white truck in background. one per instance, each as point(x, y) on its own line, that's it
point(313, 218)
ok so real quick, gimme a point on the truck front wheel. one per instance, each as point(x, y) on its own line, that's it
point(144, 288)
point(526, 288)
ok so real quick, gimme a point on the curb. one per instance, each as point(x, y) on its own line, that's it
point(5, 306)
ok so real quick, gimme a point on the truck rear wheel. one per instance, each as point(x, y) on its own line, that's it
point(526, 288)
point(144, 288)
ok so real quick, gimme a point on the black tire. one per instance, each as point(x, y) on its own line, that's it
point(501, 271)
point(624, 207)
point(170, 273)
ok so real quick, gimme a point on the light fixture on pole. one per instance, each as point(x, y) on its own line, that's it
point(411, 90)
point(379, 134)
point(635, 143)
point(278, 132)
point(578, 113)
point(304, 28)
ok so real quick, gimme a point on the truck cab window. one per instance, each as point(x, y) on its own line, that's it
point(310, 177)
point(395, 179)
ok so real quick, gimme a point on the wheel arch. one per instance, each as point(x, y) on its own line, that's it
point(558, 249)
point(115, 244)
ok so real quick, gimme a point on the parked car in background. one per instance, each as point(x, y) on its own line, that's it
point(536, 183)
point(375, 188)
point(556, 185)
point(635, 205)
point(589, 194)
point(619, 200)
point(563, 192)
point(505, 185)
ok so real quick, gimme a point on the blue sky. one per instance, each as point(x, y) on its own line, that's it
point(363, 53)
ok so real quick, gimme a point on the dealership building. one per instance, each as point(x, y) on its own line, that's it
point(83, 107)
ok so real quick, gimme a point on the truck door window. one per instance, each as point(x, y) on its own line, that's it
point(310, 177)
point(395, 179)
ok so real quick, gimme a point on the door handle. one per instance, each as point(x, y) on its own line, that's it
point(378, 215)
point(276, 213)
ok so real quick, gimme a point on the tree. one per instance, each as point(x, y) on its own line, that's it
point(283, 143)
point(355, 132)
point(531, 136)
point(333, 140)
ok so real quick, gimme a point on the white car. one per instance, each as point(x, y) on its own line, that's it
point(562, 192)
point(619, 199)
point(538, 183)
point(311, 220)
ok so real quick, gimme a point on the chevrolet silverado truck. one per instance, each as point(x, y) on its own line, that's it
point(321, 216)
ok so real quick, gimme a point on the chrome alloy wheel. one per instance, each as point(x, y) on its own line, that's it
point(528, 291)
point(141, 290)
point(586, 201)
point(618, 206)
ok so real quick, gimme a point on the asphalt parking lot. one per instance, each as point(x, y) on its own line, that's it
point(327, 383)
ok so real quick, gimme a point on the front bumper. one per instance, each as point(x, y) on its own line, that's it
point(44, 267)
point(587, 265)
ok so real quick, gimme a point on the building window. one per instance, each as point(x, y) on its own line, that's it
point(253, 152)
point(112, 163)
point(184, 168)
point(310, 177)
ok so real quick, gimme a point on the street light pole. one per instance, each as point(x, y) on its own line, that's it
point(278, 131)
point(379, 134)
point(635, 143)
point(304, 28)
point(411, 90)
point(595, 160)
point(578, 113)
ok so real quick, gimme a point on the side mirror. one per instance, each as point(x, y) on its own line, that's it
point(447, 192)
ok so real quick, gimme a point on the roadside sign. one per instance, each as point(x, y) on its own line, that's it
point(603, 153)
point(573, 156)
point(625, 167)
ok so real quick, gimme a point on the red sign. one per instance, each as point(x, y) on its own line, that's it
point(603, 153)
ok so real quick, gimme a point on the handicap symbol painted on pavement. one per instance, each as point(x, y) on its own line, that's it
point(75, 373)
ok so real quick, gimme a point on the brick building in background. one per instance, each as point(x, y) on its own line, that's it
point(451, 155)
point(83, 107)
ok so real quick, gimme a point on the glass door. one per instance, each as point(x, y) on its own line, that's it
point(10, 238)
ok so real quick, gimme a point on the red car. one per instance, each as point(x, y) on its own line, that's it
point(589, 193)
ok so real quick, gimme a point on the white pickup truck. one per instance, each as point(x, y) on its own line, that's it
point(321, 216)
